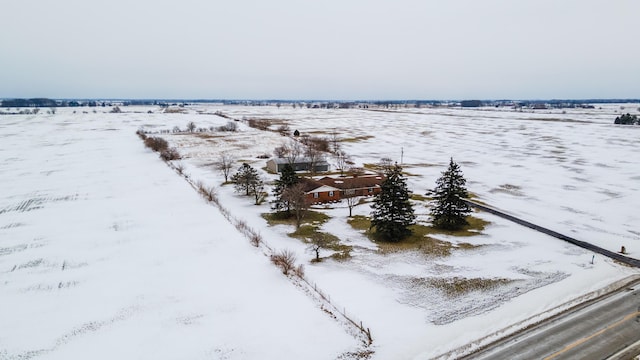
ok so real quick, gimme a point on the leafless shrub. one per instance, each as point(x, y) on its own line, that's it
point(283, 129)
point(202, 189)
point(260, 124)
point(176, 129)
point(180, 168)
point(299, 271)
point(229, 126)
point(141, 134)
point(115, 110)
point(156, 143)
point(255, 239)
point(285, 260)
point(209, 192)
point(318, 143)
point(242, 226)
point(170, 154)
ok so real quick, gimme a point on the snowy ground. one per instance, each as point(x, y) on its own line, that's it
point(102, 244)
point(106, 253)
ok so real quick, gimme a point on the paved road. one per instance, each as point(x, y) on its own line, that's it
point(616, 256)
point(594, 331)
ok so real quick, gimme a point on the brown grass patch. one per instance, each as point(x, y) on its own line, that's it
point(459, 286)
point(421, 238)
point(358, 138)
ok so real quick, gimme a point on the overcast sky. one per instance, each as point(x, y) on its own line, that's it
point(330, 49)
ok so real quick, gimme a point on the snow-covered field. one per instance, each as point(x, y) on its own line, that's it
point(107, 252)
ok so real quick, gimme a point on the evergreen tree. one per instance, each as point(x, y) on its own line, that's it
point(245, 178)
point(627, 119)
point(392, 212)
point(287, 179)
point(450, 211)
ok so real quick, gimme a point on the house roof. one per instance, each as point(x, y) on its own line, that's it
point(357, 182)
point(313, 186)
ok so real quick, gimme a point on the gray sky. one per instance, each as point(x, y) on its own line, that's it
point(331, 49)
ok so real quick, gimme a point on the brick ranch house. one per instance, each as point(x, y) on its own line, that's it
point(329, 189)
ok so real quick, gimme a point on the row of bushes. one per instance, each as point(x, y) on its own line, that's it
point(159, 145)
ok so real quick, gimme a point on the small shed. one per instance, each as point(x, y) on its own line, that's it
point(300, 164)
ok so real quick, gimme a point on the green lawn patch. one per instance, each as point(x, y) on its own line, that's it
point(311, 225)
point(421, 237)
point(418, 197)
point(282, 218)
point(306, 232)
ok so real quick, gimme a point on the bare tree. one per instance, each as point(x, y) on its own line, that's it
point(224, 164)
point(294, 152)
point(342, 159)
point(191, 126)
point(314, 156)
point(297, 200)
point(335, 141)
point(256, 188)
point(351, 199)
point(385, 164)
point(280, 151)
point(317, 242)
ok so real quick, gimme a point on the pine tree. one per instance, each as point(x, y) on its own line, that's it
point(245, 178)
point(450, 211)
point(287, 179)
point(392, 212)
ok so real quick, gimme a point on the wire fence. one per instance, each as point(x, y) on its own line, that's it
point(210, 195)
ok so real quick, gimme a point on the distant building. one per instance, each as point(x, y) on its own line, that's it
point(471, 103)
point(301, 164)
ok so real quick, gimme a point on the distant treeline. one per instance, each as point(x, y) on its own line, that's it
point(44, 102)
point(331, 104)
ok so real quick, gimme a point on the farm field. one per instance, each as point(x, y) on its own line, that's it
point(106, 251)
